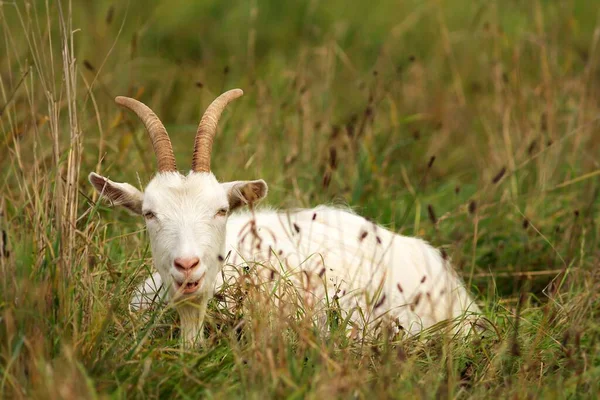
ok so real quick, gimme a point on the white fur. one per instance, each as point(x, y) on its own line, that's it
point(185, 225)
point(336, 251)
point(324, 252)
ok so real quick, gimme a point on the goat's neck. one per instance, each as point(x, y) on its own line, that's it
point(192, 320)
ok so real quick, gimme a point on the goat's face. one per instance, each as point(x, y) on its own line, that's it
point(185, 215)
point(185, 218)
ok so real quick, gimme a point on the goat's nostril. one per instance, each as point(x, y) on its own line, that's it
point(186, 263)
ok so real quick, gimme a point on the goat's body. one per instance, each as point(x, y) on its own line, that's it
point(327, 256)
point(330, 253)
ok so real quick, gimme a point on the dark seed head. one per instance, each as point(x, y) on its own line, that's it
point(499, 175)
point(399, 288)
point(431, 161)
point(472, 206)
point(444, 254)
point(333, 157)
point(380, 302)
point(88, 65)
point(431, 213)
point(199, 84)
point(417, 299)
point(544, 122)
point(3, 245)
point(220, 257)
point(532, 147)
point(525, 223)
point(378, 240)
point(423, 279)
point(314, 216)
point(297, 228)
point(109, 15)
point(326, 179)
point(363, 235)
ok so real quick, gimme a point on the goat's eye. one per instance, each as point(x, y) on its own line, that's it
point(221, 213)
point(149, 215)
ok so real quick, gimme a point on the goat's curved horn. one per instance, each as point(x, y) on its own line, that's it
point(208, 128)
point(158, 134)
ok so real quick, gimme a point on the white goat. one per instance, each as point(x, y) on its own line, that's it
point(326, 252)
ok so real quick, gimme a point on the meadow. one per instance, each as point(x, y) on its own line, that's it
point(472, 124)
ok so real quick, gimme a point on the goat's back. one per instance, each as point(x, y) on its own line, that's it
point(331, 253)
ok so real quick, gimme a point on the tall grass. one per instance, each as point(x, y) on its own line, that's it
point(471, 124)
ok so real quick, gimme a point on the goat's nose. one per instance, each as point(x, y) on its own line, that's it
point(185, 264)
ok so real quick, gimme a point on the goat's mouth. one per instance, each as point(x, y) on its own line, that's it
point(188, 286)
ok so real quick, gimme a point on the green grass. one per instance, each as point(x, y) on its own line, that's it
point(343, 103)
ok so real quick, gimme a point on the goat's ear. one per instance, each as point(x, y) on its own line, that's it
point(122, 194)
point(241, 193)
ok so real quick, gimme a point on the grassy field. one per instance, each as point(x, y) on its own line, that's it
point(472, 124)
